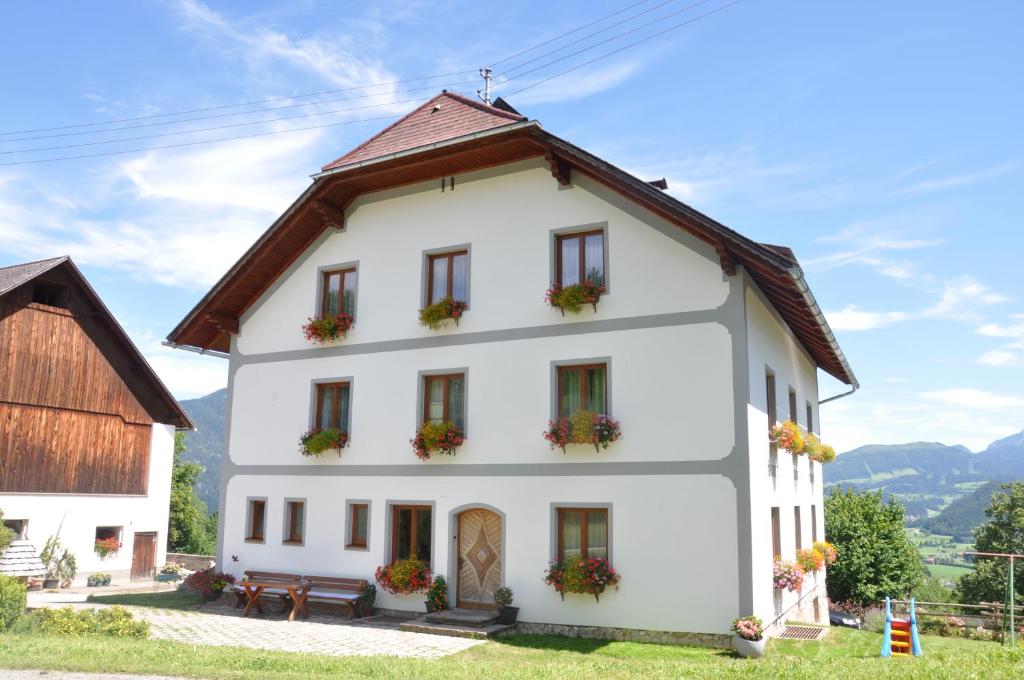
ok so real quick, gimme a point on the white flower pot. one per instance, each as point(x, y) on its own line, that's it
point(749, 649)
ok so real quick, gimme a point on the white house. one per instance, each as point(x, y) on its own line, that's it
point(473, 201)
point(86, 426)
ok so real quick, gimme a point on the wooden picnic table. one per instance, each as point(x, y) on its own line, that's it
point(297, 591)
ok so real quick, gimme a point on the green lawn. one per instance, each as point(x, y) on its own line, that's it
point(843, 654)
point(947, 571)
point(169, 599)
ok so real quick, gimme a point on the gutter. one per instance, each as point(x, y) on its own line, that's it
point(500, 130)
point(797, 275)
point(197, 350)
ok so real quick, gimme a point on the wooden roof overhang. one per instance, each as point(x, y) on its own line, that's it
point(322, 206)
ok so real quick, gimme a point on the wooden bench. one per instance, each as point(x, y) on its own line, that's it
point(334, 590)
point(279, 593)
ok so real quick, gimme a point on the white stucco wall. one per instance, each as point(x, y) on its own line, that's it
point(772, 347)
point(74, 518)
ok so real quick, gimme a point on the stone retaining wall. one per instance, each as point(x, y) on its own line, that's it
point(803, 611)
point(625, 634)
point(191, 562)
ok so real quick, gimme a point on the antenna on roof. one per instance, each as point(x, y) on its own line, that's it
point(486, 96)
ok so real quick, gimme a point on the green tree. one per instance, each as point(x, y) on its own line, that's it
point(6, 535)
point(188, 531)
point(1003, 533)
point(875, 556)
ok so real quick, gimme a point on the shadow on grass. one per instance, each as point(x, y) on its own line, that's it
point(612, 648)
point(173, 599)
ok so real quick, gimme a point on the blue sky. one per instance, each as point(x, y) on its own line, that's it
point(880, 140)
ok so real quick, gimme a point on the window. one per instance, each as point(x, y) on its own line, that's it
point(256, 520)
point(448, 276)
point(104, 533)
point(444, 399)
point(582, 532)
point(792, 405)
point(333, 405)
point(582, 388)
point(294, 521)
point(580, 257)
point(339, 292)
point(18, 526)
point(359, 525)
point(810, 418)
point(411, 532)
point(797, 528)
point(776, 534)
point(773, 416)
point(50, 294)
point(814, 524)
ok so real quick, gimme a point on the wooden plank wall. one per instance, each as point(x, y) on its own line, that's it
point(69, 422)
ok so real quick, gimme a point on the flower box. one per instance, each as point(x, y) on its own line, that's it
point(438, 314)
point(317, 442)
point(586, 575)
point(787, 575)
point(788, 436)
point(583, 427)
point(325, 329)
point(572, 298)
point(107, 546)
point(403, 577)
point(435, 438)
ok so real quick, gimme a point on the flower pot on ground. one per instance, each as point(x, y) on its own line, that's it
point(437, 595)
point(365, 601)
point(317, 442)
point(507, 614)
point(583, 427)
point(208, 583)
point(435, 438)
point(437, 315)
point(324, 329)
point(572, 298)
point(588, 575)
point(749, 640)
point(98, 579)
point(403, 577)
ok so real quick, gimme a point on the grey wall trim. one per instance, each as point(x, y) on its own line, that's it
point(348, 523)
point(464, 370)
point(248, 518)
point(736, 314)
point(553, 250)
point(553, 526)
point(227, 466)
point(553, 390)
point(425, 271)
point(388, 524)
point(351, 399)
point(453, 552)
point(502, 335)
point(284, 518)
point(320, 287)
point(724, 467)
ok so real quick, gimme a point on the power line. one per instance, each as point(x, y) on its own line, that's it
point(201, 141)
point(228, 115)
point(625, 47)
point(249, 103)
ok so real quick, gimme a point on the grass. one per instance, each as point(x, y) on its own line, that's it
point(843, 654)
point(171, 599)
point(948, 571)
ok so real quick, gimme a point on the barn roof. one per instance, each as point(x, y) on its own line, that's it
point(15, 276)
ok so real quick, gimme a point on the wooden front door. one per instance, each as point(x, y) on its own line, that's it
point(144, 556)
point(479, 571)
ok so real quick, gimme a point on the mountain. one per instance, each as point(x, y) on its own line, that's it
point(204, 445)
point(927, 477)
point(961, 516)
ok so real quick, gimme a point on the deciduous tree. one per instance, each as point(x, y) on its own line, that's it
point(1003, 533)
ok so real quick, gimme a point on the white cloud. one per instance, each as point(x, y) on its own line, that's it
point(866, 243)
point(995, 330)
point(852, 318)
point(1001, 358)
point(954, 181)
point(961, 298)
point(973, 399)
point(568, 88)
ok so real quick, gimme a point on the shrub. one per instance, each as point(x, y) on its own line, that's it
point(208, 582)
point(437, 595)
point(583, 427)
point(316, 441)
point(13, 599)
point(328, 328)
point(113, 621)
point(434, 438)
point(572, 298)
point(582, 575)
point(748, 628)
point(503, 597)
point(436, 315)
point(404, 576)
point(788, 436)
point(787, 576)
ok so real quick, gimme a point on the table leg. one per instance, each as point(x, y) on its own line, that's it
point(253, 595)
point(299, 596)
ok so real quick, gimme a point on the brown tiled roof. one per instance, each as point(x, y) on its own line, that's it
point(446, 116)
point(15, 275)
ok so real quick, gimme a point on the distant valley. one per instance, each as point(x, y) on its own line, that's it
point(204, 445)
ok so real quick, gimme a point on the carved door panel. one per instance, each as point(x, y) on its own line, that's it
point(479, 568)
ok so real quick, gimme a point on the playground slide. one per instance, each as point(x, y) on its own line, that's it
point(900, 635)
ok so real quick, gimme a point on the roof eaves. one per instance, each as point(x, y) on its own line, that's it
point(797, 274)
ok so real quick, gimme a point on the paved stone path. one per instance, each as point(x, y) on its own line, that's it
point(219, 624)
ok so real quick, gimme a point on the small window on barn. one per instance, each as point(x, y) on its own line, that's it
point(104, 533)
point(256, 520)
point(50, 294)
point(294, 521)
point(18, 526)
point(358, 525)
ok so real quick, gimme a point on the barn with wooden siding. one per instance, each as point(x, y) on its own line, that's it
point(86, 426)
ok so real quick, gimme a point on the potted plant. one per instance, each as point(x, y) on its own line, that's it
point(107, 546)
point(437, 595)
point(828, 552)
point(507, 614)
point(810, 560)
point(364, 603)
point(434, 438)
point(98, 579)
point(50, 555)
point(325, 329)
point(583, 427)
point(169, 572)
point(316, 442)
point(572, 298)
point(402, 577)
point(787, 575)
point(209, 583)
point(590, 575)
point(438, 314)
point(788, 436)
point(749, 640)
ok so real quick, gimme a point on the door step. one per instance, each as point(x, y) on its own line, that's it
point(422, 625)
point(464, 617)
